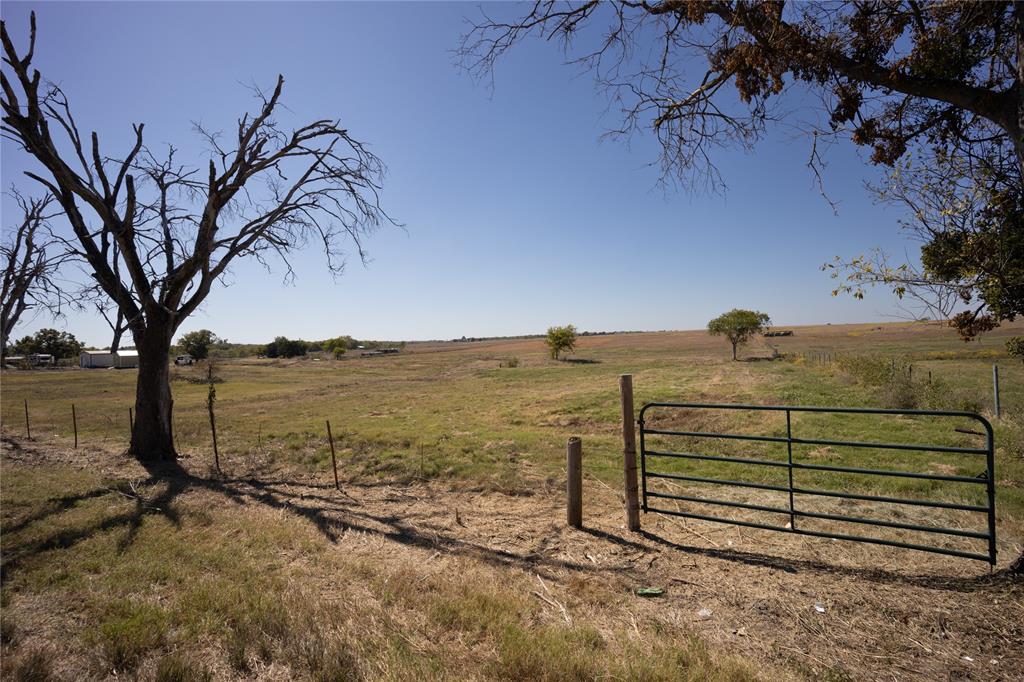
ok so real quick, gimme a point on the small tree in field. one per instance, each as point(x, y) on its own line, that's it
point(197, 343)
point(561, 339)
point(738, 326)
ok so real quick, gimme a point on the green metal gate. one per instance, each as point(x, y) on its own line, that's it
point(797, 492)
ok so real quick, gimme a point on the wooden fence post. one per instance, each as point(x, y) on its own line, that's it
point(995, 388)
point(28, 427)
point(574, 482)
point(629, 452)
point(74, 424)
point(334, 460)
point(213, 432)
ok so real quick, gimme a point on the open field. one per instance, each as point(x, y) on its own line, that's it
point(446, 554)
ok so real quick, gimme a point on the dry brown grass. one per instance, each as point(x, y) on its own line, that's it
point(392, 580)
point(446, 556)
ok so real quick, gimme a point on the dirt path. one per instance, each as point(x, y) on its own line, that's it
point(792, 603)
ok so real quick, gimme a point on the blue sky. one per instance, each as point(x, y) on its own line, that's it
point(518, 216)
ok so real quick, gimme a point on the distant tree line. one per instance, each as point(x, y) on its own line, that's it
point(469, 339)
point(48, 342)
point(203, 343)
point(283, 347)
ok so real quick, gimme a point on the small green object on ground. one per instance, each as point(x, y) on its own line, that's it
point(649, 591)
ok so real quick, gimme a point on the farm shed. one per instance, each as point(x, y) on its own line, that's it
point(121, 359)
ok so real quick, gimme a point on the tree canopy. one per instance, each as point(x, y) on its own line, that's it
point(739, 326)
point(51, 342)
point(197, 343)
point(561, 340)
point(283, 347)
point(338, 345)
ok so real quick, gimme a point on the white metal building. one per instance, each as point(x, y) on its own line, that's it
point(104, 358)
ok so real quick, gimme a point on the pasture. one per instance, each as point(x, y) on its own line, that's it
point(446, 553)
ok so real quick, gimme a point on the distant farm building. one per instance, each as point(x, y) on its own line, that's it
point(31, 360)
point(379, 351)
point(122, 359)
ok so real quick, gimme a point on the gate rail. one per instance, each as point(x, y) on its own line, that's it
point(987, 479)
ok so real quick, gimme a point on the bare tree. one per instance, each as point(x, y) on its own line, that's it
point(30, 264)
point(160, 234)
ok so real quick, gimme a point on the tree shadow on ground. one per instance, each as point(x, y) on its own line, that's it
point(877, 575)
point(334, 514)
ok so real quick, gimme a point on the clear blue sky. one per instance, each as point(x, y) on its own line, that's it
point(518, 216)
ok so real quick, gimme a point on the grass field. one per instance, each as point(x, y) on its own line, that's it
point(447, 556)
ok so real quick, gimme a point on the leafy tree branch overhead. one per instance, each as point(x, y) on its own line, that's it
point(939, 82)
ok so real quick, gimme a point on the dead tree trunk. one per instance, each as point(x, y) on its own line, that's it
point(152, 437)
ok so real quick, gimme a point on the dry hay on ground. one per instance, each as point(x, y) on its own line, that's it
point(789, 603)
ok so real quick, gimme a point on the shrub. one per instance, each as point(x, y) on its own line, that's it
point(899, 393)
point(511, 362)
point(873, 370)
point(899, 390)
point(941, 395)
point(892, 376)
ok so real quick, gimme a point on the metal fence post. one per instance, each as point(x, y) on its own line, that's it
point(995, 388)
point(789, 457)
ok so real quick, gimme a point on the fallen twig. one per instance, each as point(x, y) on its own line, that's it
point(552, 601)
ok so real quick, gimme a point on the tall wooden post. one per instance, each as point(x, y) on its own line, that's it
point(28, 427)
point(74, 424)
point(629, 452)
point(574, 482)
point(334, 460)
point(213, 432)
